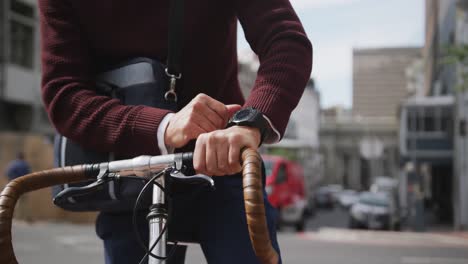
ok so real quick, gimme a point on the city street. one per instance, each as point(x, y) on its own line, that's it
point(359, 104)
point(46, 243)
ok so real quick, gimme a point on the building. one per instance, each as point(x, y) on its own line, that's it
point(379, 80)
point(357, 149)
point(426, 144)
point(361, 144)
point(461, 124)
point(433, 125)
point(20, 100)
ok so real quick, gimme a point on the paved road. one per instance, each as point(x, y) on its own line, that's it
point(337, 218)
point(46, 243)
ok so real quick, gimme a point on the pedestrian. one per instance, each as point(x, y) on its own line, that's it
point(15, 169)
point(80, 38)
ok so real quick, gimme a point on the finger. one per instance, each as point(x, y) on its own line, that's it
point(202, 122)
point(199, 156)
point(222, 152)
point(217, 107)
point(232, 109)
point(193, 131)
point(211, 157)
point(234, 159)
point(210, 116)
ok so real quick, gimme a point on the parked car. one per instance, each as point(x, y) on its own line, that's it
point(327, 196)
point(323, 198)
point(286, 190)
point(347, 198)
point(374, 211)
point(384, 184)
point(335, 190)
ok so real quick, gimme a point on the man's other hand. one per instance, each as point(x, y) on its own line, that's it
point(217, 153)
point(202, 115)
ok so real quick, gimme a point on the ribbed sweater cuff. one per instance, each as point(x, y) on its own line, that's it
point(145, 129)
point(272, 106)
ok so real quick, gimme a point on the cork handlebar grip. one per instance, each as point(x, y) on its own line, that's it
point(28, 183)
point(254, 207)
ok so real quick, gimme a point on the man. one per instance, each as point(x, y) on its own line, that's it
point(17, 167)
point(80, 38)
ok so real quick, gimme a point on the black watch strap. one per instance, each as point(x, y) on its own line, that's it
point(263, 128)
point(256, 119)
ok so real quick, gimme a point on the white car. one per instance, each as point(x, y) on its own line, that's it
point(374, 211)
point(347, 198)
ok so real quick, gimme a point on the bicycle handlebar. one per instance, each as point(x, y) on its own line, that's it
point(252, 187)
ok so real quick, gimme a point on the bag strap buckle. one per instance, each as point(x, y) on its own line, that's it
point(171, 95)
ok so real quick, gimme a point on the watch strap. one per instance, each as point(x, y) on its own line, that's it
point(258, 121)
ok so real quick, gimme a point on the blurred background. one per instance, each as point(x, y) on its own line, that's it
point(373, 167)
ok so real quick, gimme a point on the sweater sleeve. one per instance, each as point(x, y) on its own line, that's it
point(74, 108)
point(276, 35)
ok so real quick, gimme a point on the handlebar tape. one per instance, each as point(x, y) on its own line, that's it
point(255, 208)
point(31, 182)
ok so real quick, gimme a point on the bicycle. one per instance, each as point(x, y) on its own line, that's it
point(156, 167)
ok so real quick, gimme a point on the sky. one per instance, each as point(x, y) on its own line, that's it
point(335, 27)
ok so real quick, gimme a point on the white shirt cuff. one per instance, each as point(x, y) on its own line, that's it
point(272, 137)
point(160, 136)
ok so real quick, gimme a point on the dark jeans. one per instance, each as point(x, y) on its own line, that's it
point(215, 219)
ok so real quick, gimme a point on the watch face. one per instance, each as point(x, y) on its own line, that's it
point(243, 114)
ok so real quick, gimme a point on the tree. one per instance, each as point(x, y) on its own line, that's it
point(458, 54)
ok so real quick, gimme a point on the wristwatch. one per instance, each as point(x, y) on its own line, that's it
point(251, 117)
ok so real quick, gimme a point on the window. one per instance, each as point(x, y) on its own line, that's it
point(22, 9)
point(281, 177)
point(429, 116)
point(451, 38)
point(22, 28)
point(446, 124)
point(21, 47)
point(412, 120)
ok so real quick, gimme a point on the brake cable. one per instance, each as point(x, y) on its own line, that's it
point(135, 226)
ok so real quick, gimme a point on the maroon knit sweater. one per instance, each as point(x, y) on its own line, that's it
point(82, 37)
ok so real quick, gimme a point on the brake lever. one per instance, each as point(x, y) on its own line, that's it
point(194, 179)
point(71, 192)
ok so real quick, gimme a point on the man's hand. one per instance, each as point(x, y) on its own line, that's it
point(202, 115)
point(218, 153)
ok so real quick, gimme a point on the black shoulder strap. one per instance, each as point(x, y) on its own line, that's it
point(176, 26)
point(174, 56)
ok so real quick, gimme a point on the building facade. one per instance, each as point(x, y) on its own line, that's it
point(356, 149)
point(20, 99)
point(362, 143)
point(380, 81)
point(434, 125)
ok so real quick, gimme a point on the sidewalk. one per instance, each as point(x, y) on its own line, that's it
point(48, 242)
point(387, 238)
